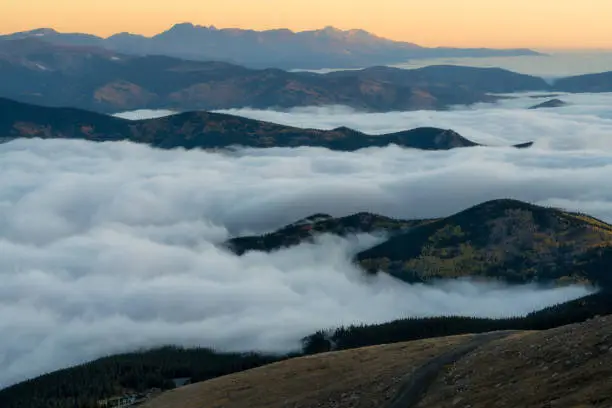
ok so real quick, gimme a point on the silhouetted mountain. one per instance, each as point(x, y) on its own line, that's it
point(202, 130)
point(281, 48)
point(553, 103)
point(601, 82)
point(93, 78)
point(54, 37)
point(505, 240)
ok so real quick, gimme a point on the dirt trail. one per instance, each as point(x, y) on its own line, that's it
point(416, 384)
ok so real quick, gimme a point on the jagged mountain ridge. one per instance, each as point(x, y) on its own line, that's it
point(280, 48)
point(204, 130)
point(506, 240)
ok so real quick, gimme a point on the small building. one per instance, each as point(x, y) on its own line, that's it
point(117, 402)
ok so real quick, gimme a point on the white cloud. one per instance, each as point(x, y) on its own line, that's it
point(585, 123)
point(110, 247)
point(141, 114)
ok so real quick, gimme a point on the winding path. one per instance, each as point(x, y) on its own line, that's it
point(415, 386)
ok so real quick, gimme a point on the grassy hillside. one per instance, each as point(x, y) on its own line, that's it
point(568, 366)
point(502, 239)
point(505, 240)
point(368, 377)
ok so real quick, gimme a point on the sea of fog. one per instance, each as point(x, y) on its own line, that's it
point(585, 123)
point(111, 247)
point(552, 65)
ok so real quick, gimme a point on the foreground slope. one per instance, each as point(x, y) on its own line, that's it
point(367, 377)
point(570, 366)
point(563, 367)
point(203, 130)
point(506, 240)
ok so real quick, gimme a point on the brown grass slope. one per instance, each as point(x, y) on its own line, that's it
point(569, 366)
point(365, 378)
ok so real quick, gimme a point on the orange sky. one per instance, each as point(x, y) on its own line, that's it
point(488, 23)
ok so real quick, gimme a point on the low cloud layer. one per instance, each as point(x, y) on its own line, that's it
point(145, 114)
point(586, 123)
point(111, 247)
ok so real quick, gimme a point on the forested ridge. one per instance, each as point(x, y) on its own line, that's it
point(82, 386)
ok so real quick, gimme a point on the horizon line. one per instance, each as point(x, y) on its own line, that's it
point(543, 49)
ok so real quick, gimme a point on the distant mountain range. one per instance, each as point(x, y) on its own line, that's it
point(204, 130)
point(93, 78)
point(505, 240)
point(282, 48)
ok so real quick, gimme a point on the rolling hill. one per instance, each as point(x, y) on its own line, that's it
point(566, 366)
point(203, 130)
point(599, 82)
point(93, 78)
point(281, 48)
point(505, 240)
point(308, 228)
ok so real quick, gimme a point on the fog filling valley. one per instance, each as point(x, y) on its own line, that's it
point(111, 247)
